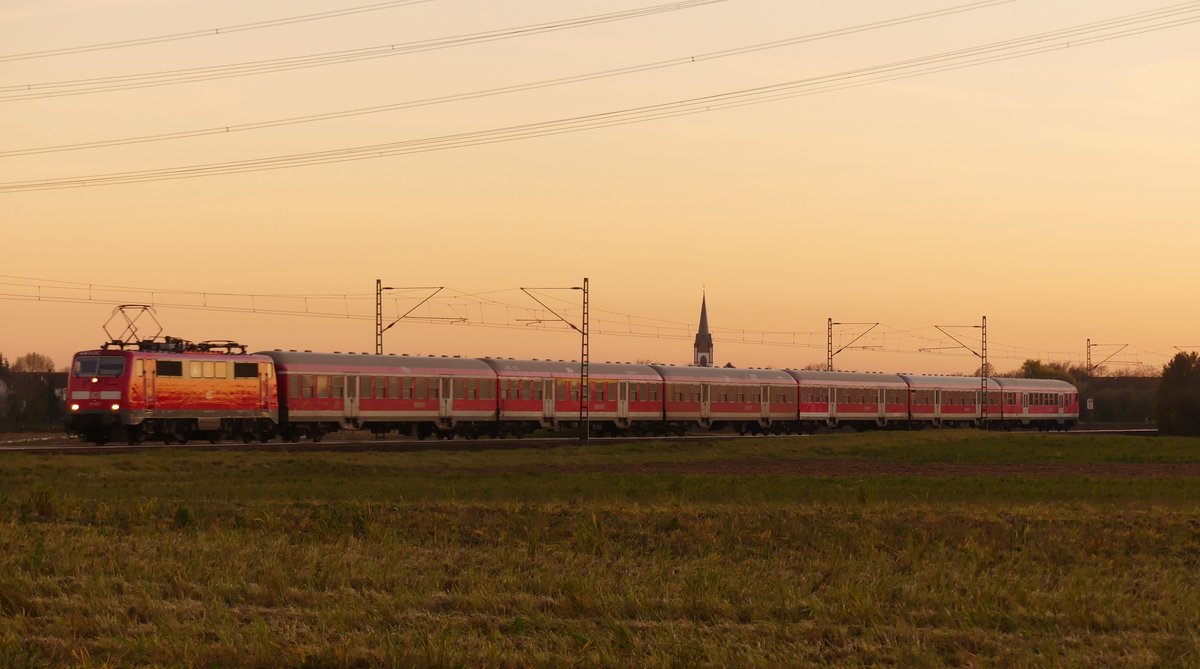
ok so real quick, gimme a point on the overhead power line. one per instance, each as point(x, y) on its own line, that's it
point(167, 77)
point(210, 32)
point(471, 309)
point(546, 83)
point(746, 337)
point(1091, 33)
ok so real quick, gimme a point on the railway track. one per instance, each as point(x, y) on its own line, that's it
point(65, 445)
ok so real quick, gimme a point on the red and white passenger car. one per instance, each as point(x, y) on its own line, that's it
point(855, 399)
point(747, 400)
point(414, 395)
point(546, 394)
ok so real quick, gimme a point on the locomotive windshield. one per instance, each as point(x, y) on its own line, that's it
point(100, 366)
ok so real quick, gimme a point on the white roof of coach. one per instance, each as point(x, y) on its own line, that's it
point(723, 375)
point(921, 381)
point(1035, 385)
point(563, 369)
point(362, 363)
point(847, 379)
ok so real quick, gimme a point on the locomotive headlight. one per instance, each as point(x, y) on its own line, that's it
point(116, 406)
point(95, 380)
point(74, 407)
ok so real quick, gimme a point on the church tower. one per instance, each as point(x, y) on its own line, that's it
point(703, 349)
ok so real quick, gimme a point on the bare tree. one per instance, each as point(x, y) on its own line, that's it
point(33, 362)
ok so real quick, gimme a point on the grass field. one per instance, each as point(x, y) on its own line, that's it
point(912, 549)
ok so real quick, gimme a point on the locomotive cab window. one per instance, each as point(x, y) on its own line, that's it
point(100, 366)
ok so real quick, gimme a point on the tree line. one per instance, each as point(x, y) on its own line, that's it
point(1179, 396)
point(27, 393)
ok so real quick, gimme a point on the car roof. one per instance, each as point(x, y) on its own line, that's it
point(507, 367)
point(723, 375)
point(921, 381)
point(816, 377)
point(1035, 385)
point(378, 364)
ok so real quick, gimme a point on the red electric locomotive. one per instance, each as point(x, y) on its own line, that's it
point(172, 391)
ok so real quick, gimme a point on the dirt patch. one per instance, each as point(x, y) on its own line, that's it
point(868, 468)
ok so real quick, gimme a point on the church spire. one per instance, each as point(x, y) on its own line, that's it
point(703, 349)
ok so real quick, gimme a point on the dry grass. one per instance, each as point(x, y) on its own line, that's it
point(479, 559)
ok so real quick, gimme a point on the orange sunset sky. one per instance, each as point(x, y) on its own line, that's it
point(1056, 192)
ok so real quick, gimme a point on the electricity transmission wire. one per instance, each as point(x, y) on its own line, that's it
point(1091, 33)
point(546, 83)
point(470, 309)
point(210, 32)
point(168, 77)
